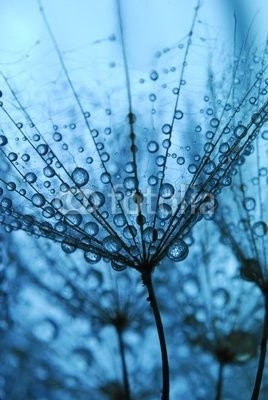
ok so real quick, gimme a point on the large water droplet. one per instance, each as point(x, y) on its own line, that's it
point(92, 258)
point(73, 218)
point(112, 244)
point(167, 191)
point(178, 251)
point(80, 177)
point(91, 228)
point(164, 211)
point(96, 199)
point(38, 200)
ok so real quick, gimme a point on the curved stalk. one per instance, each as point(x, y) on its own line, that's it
point(263, 348)
point(147, 280)
point(220, 381)
point(122, 351)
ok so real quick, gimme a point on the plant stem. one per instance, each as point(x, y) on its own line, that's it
point(122, 351)
point(220, 381)
point(263, 347)
point(147, 280)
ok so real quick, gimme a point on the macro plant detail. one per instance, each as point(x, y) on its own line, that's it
point(122, 163)
point(244, 227)
point(216, 320)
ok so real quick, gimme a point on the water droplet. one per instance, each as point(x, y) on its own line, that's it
point(117, 266)
point(178, 114)
point(224, 148)
point(150, 235)
point(129, 183)
point(153, 75)
point(164, 211)
point(152, 180)
point(249, 203)
point(3, 140)
point(178, 251)
point(240, 131)
point(192, 168)
point(105, 178)
point(214, 122)
point(57, 136)
point(30, 177)
point(73, 218)
point(259, 229)
point(12, 157)
point(160, 161)
point(92, 258)
point(6, 203)
point(38, 200)
point(112, 244)
point(68, 246)
point(167, 191)
point(180, 160)
point(96, 199)
point(80, 177)
point(152, 146)
point(166, 129)
point(91, 228)
point(120, 220)
point(130, 232)
point(264, 135)
point(49, 172)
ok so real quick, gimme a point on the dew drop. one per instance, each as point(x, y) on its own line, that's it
point(57, 136)
point(105, 178)
point(249, 203)
point(130, 232)
point(166, 129)
point(68, 247)
point(80, 177)
point(73, 218)
point(3, 140)
point(96, 199)
point(38, 200)
point(91, 228)
point(167, 191)
point(152, 146)
point(178, 251)
point(153, 75)
point(120, 220)
point(178, 114)
point(240, 131)
point(259, 229)
point(91, 258)
point(30, 177)
point(112, 244)
point(118, 266)
point(164, 211)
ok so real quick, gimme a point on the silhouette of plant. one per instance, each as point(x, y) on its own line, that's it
point(220, 314)
point(78, 318)
point(110, 177)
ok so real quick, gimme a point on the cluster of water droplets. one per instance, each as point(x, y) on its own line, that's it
point(128, 180)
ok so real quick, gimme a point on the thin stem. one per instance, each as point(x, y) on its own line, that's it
point(263, 347)
point(147, 280)
point(122, 350)
point(220, 381)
